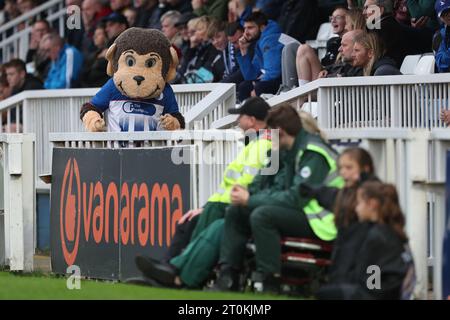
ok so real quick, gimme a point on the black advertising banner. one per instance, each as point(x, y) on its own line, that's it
point(107, 206)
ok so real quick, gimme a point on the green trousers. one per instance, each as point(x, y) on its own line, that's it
point(212, 211)
point(200, 256)
point(266, 224)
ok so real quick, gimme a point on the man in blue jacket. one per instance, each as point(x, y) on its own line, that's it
point(443, 53)
point(262, 70)
point(66, 62)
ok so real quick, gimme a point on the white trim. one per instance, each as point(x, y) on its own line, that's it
point(69, 66)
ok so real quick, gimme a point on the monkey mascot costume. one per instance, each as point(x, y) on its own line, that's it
point(137, 97)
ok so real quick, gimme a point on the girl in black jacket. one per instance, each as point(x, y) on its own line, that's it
point(375, 263)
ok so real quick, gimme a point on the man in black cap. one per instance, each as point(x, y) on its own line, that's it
point(199, 230)
point(116, 23)
point(181, 25)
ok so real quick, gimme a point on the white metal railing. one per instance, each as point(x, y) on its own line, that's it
point(15, 34)
point(44, 111)
point(405, 101)
point(17, 201)
point(414, 161)
point(213, 108)
point(213, 151)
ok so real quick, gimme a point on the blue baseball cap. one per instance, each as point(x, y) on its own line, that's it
point(441, 6)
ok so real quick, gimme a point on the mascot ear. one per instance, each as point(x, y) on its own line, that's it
point(173, 65)
point(110, 57)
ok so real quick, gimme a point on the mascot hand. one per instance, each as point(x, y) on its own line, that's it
point(169, 122)
point(93, 122)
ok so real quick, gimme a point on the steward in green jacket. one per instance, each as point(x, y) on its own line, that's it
point(272, 207)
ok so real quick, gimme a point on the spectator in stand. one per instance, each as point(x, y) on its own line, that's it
point(212, 8)
point(93, 73)
point(119, 6)
point(182, 6)
point(116, 23)
point(66, 62)
point(235, 31)
point(168, 22)
point(18, 78)
point(399, 40)
point(206, 65)
point(442, 54)
point(369, 54)
point(355, 4)
point(300, 19)
point(307, 61)
point(26, 5)
point(239, 10)
point(18, 81)
point(183, 30)
point(131, 15)
point(189, 51)
point(401, 13)
point(92, 12)
point(423, 14)
point(217, 34)
point(262, 70)
point(148, 13)
point(343, 66)
point(355, 20)
point(11, 9)
point(34, 55)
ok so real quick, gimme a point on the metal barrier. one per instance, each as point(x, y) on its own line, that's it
point(406, 101)
point(17, 201)
point(15, 34)
point(213, 151)
point(44, 111)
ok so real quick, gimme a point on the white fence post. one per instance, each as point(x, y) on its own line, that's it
point(19, 201)
point(416, 209)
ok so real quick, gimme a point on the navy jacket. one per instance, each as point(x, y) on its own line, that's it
point(443, 53)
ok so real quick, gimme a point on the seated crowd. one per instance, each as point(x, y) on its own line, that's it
point(259, 45)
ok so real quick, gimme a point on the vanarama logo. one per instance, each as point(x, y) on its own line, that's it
point(96, 213)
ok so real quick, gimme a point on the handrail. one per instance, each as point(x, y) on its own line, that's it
point(31, 14)
point(307, 91)
point(211, 101)
point(205, 135)
point(84, 92)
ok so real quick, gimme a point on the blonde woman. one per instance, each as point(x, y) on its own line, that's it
point(354, 20)
point(369, 54)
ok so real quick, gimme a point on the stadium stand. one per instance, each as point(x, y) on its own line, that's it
point(396, 118)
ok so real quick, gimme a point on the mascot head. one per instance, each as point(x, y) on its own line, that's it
point(141, 62)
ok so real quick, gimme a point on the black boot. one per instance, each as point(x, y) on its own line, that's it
point(163, 272)
point(227, 280)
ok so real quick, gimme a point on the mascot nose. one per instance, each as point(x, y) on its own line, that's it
point(138, 79)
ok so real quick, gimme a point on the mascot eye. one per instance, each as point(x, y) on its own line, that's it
point(130, 61)
point(150, 62)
